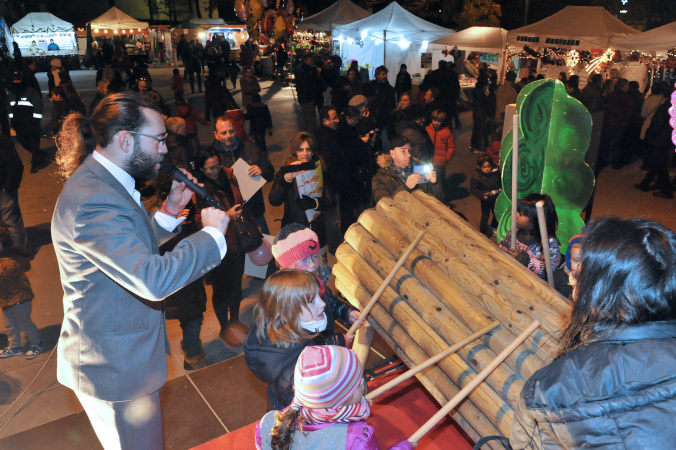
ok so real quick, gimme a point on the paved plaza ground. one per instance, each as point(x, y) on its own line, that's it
point(615, 195)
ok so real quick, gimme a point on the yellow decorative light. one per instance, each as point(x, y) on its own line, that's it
point(572, 58)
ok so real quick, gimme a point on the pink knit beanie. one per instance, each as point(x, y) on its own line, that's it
point(326, 376)
point(293, 243)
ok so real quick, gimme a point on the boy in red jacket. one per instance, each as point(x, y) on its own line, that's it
point(444, 144)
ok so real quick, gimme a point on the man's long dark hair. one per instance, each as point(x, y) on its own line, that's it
point(80, 136)
point(627, 276)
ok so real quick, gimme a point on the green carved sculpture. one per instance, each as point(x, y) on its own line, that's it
point(555, 131)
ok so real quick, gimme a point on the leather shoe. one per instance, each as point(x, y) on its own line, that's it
point(661, 194)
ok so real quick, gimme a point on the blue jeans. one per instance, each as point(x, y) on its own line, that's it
point(18, 319)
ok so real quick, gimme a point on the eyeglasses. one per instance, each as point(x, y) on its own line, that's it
point(213, 168)
point(161, 138)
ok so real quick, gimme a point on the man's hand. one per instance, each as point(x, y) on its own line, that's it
point(179, 196)
point(431, 176)
point(212, 217)
point(12, 132)
point(413, 180)
point(254, 171)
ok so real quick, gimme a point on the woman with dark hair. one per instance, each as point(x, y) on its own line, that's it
point(302, 149)
point(614, 382)
point(226, 278)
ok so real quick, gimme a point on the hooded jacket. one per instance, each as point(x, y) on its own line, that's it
point(275, 365)
point(614, 393)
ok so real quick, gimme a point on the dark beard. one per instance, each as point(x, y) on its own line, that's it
point(140, 165)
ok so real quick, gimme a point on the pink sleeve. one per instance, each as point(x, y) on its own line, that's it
point(401, 445)
point(259, 441)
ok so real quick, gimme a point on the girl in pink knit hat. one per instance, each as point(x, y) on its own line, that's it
point(328, 409)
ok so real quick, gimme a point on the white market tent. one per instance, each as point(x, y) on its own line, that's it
point(477, 39)
point(574, 27)
point(390, 37)
point(40, 22)
point(340, 13)
point(659, 40)
point(41, 27)
point(116, 20)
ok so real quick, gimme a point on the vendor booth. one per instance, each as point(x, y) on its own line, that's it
point(657, 42)
point(115, 24)
point(390, 37)
point(340, 13)
point(489, 42)
point(43, 34)
point(574, 28)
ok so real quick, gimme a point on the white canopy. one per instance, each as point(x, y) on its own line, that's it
point(578, 27)
point(393, 23)
point(660, 40)
point(114, 19)
point(478, 39)
point(341, 12)
point(40, 22)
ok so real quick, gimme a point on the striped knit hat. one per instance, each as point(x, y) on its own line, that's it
point(326, 376)
point(293, 243)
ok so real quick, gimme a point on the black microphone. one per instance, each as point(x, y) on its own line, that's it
point(169, 168)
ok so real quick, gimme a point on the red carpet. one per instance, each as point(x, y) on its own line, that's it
point(395, 415)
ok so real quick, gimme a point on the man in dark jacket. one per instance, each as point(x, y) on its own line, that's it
point(333, 166)
point(396, 172)
point(403, 83)
point(592, 93)
point(11, 172)
point(620, 107)
point(230, 148)
point(384, 99)
point(25, 113)
point(308, 86)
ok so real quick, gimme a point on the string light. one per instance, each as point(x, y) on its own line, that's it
point(572, 58)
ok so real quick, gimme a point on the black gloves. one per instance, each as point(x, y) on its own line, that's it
point(307, 202)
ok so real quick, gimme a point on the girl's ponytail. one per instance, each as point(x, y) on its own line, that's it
point(285, 425)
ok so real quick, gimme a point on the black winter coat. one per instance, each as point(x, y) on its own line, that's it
point(11, 167)
point(249, 152)
point(275, 365)
point(616, 393)
point(283, 193)
point(482, 183)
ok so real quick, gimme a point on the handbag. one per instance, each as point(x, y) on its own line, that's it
point(249, 238)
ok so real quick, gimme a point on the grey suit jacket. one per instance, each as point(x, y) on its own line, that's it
point(113, 339)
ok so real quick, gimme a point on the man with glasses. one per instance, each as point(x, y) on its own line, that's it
point(230, 148)
point(113, 340)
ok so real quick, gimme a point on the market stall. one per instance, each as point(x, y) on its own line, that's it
point(567, 34)
point(115, 24)
point(489, 42)
point(390, 37)
point(658, 43)
point(340, 13)
point(44, 35)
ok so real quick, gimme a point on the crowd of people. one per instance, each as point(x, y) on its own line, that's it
point(360, 141)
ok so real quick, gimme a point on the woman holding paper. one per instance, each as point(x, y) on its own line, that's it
point(226, 279)
point(301, 191)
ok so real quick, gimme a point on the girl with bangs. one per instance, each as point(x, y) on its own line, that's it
point(289, 316)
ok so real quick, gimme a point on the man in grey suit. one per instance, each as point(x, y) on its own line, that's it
point(113, 339)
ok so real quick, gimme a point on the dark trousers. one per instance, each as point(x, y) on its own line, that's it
point(10, 218)
point(259, 138)
point(192, 345)
point(487, 208)
point(29, 138)
point(227, 287)
point(478, 141)
point(658, 166)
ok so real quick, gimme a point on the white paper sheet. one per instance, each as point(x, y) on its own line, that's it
point(248, 185)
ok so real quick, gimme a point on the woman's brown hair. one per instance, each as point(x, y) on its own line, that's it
point(294, 145)
point(283, 297)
